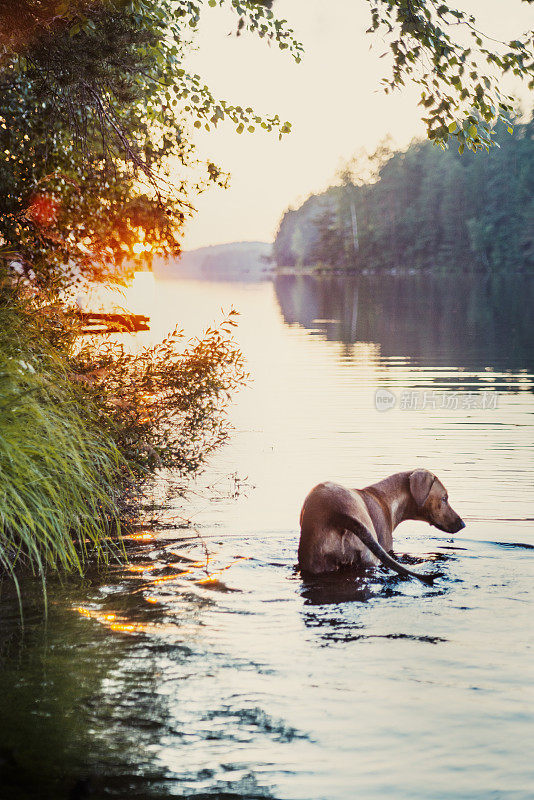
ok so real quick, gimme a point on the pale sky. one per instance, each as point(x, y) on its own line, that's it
point(332, 98)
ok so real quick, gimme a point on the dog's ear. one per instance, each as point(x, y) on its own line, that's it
point(421, 481)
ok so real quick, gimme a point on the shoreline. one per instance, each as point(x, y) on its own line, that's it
point(390, 271)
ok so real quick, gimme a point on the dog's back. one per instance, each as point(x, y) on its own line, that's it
point(325, 544)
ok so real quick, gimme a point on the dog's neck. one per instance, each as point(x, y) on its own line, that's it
point(394, 498)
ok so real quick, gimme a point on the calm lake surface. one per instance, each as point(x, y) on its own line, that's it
point(209, 668)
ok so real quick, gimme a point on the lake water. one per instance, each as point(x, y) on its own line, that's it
point(209, 668)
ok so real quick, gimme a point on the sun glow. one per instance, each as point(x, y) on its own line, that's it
point(139, 296)
point(141, 247)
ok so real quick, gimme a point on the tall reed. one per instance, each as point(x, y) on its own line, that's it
point(59, 472)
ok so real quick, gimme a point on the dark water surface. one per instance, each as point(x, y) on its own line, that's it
point(208, 668)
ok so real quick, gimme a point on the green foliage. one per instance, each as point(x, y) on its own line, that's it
point(459, 75)
point(424, 209)
point(59, 472)
point(329, 238)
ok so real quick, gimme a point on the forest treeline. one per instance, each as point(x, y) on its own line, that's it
point(424, 208)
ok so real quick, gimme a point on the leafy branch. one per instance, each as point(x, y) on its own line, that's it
point(460, 81)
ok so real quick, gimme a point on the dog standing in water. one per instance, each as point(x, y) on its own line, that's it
point(350, 527)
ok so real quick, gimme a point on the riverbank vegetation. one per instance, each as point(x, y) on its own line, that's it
point(84, 428)
point(422, 209)
point(97, 110)
point(59, 472)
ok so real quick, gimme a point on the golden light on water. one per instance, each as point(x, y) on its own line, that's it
point(140, 567)
point(139, 296)
point(211, 577)
point(112, 621)
point(120, 624)
point(137, 537)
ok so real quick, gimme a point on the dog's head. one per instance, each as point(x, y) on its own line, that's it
point(432, 501)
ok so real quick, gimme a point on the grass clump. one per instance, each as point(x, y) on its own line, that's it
point(60, 474)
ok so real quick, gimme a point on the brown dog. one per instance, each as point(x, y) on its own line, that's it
point(345, 527)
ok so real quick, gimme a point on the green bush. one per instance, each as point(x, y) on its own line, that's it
point(164, 406)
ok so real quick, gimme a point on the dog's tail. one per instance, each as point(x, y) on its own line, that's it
point(369, 541)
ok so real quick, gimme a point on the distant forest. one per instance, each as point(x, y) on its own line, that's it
point(424, 208)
